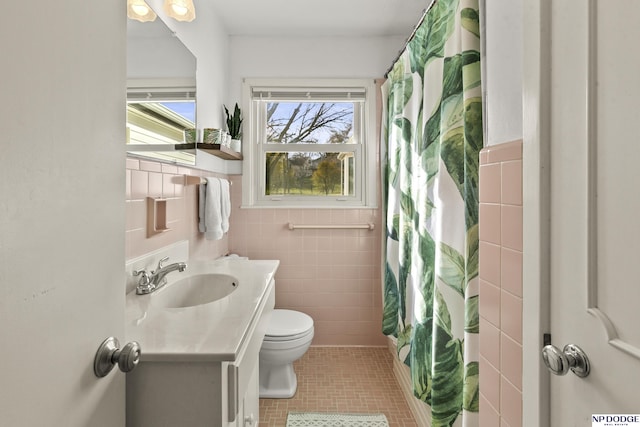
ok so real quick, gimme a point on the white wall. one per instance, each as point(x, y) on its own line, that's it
point(223, 61)
point(207, 39)
point(503, 70)
point(312, 57)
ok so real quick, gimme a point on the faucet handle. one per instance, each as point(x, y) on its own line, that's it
point(145, 279)
point(160, 263)
point(144, 283)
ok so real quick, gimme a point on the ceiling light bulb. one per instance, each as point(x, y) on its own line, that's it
point(179, 9)
point(140, 9)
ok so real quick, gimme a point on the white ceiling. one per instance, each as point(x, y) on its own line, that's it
point(319, 17)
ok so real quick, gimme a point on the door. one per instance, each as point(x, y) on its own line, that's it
point(62, 183)
point(595, 205)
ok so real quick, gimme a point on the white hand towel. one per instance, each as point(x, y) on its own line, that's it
point(225, 205)
point(210, 209)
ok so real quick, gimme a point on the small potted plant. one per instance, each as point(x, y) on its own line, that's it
point(234, 125)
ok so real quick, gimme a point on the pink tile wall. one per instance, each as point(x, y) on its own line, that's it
point(154, 179)
point(501, 285)
point(332, 275)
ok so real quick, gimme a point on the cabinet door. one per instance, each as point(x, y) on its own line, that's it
point(251, 402)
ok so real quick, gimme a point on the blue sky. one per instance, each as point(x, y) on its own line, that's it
point(185, 109)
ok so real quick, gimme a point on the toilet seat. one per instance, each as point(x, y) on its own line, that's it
point(270, 338)
point(288, 325)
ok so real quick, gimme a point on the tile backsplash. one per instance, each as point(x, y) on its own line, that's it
point(332, 275)
point(153, 179)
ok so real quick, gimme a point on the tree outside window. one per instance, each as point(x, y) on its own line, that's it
point(308, 143)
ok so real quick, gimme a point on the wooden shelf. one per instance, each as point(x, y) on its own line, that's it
point(213, 149)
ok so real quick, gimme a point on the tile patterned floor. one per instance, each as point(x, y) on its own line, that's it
point(342, 379)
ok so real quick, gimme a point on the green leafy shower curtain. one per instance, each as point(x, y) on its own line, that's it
point(432, 132)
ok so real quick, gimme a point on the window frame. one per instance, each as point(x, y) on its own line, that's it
point(255, 147)
point(154, 137)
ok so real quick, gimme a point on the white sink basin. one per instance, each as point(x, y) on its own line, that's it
point(196, 290)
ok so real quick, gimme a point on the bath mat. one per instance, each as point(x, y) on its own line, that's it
point(319, 419)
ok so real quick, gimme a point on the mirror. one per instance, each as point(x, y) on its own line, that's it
point(161, 92)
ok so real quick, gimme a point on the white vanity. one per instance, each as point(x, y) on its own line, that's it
point(199, 362)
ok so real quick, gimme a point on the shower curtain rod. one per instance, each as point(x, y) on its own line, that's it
point(413, 33)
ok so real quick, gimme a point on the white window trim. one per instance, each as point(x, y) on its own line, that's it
point(366, 184)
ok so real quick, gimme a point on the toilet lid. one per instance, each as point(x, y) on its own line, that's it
point(288, 323)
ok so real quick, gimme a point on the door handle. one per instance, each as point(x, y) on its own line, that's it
point(571, 358)
point(109, 354)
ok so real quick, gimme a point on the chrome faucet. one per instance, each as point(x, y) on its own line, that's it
point(150, 282)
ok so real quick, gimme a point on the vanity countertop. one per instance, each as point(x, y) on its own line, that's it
point(210, 332)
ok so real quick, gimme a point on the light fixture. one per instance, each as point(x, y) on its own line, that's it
point(180, 10)
point(140, 11)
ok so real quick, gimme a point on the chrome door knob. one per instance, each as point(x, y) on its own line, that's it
point(571, 358)
point(128, 357)
point(109, 354)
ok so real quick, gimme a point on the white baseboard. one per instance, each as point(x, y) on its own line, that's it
point(419, 409)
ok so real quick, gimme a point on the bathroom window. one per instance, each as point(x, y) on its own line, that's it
point(309, 143)
point(156, 120)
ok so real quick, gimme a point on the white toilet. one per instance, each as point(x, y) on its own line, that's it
point(288, 337)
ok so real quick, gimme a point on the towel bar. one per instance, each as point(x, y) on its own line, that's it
point(369, 226)
point(197, 180)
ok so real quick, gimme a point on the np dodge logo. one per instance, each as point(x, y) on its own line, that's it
point(615, 420)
